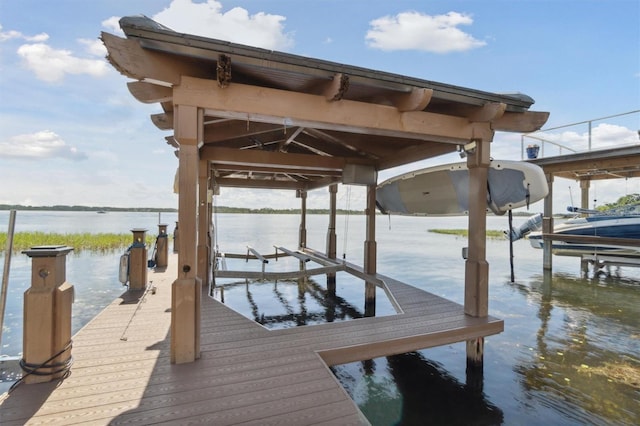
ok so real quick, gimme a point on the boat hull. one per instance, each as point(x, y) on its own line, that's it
point(444, 190)
point(595, 226)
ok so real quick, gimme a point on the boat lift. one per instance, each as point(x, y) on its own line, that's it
point(328, 266)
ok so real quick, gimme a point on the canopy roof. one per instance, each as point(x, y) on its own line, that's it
point(276, 120)
point(610, 163)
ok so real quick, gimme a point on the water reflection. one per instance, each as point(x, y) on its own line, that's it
point(430, 394)
point(292, 303)
point(585, 361)
point(409, 389)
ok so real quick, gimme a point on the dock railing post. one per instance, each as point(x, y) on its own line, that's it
point(47, 316)
point(547, 226)
point(162, 248)
point(138, 260)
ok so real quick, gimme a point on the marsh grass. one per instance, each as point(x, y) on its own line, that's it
point(79, 241)
point(492, 234)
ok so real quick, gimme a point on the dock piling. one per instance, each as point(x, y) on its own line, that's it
point(162, 247)
point(138, 260)
point(47, 316)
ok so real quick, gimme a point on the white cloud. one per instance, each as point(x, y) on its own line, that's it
point(418, 31)
point(39, 145)
point(113, 25)
point(236, 25)
point(51, 65)
point(94, 47)
point(10, 35)
point(602, 136)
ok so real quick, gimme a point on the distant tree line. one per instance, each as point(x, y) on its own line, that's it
point(85, 208)
point(625, 200)
point(218, 209)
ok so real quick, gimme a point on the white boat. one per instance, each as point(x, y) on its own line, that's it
point(614, 223)
point(444, 189)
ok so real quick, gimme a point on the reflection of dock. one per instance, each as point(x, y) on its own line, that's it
point(245, 373)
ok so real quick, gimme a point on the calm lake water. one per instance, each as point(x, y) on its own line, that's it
point(570, 352)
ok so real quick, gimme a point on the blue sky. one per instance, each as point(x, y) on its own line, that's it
point(70, 132)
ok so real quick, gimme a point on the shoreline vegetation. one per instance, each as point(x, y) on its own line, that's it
point(79, 241)
point(111, 242)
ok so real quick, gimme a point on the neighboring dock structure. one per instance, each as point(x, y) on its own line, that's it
point(587, 167)
point(247, 117)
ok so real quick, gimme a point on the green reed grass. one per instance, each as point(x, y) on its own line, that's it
point(79, 241)
point(492, 234)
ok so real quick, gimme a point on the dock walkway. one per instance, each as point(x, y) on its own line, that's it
point(246, 374)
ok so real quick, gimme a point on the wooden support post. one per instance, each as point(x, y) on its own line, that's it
point(370, 252)
point(370, 243)
point(331, 231)
point(203, 222)
point(211, 254)
point(186, 289)
point(476, 295)
point(162, 248)
point(331, 237)
point(47, 315)
point(138, 260)
point(547, 226)
point(476, 301)
point(302, 240)
point(584, 193)
point(475, 364)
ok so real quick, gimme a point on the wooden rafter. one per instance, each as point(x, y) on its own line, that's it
point(415, 100)
point(130, 59)
point(337, 141)
point(149, 93)
point(163, 121)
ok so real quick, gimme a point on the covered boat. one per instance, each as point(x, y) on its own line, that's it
point(619, 223)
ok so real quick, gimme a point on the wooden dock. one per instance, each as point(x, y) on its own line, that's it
point(246, 374)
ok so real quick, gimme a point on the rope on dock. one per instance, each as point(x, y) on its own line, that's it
point(63, 367)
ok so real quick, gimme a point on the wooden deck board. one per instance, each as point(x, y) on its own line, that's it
point(247, 374)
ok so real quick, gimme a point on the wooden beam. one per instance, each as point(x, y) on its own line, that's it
point(415, 100)
point(292, 109)
point(236, 129)
point(489, 112)
point(415, 153)
point(259, 183)
point(266, 169)
point(131, 60)
point(149, 93)
point(321, 183)
point(336, 88)
point(249, 157)
point(522, 122)
point(162, 121)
